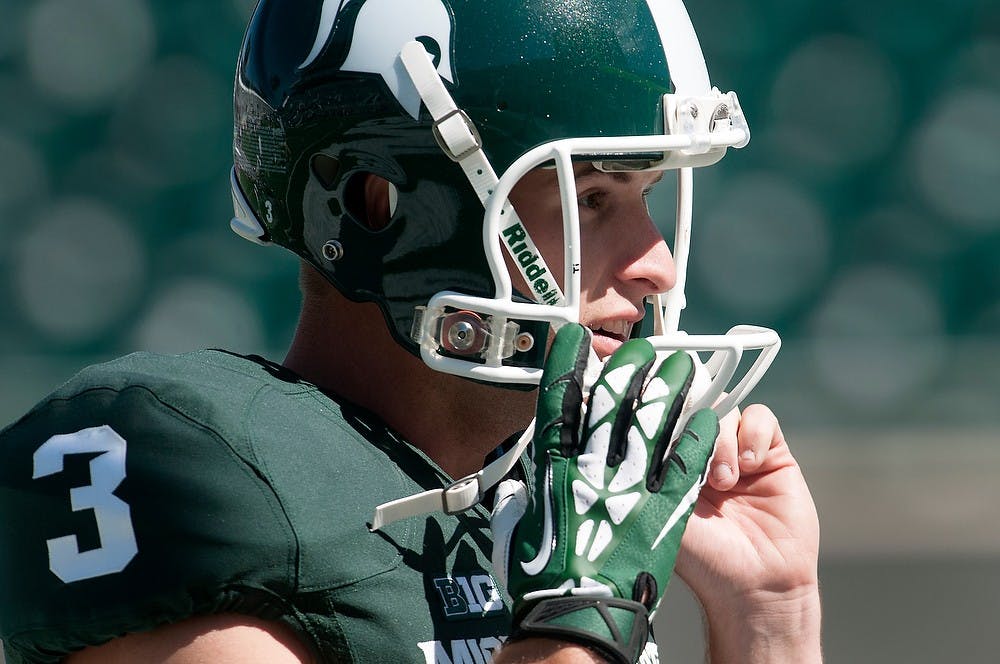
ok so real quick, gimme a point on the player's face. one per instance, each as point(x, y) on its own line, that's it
point(623, 255)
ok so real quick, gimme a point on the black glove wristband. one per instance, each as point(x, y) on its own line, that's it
point(615, 628)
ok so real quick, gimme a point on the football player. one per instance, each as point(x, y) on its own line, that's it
point(489, 427)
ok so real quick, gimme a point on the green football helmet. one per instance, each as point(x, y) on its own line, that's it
point(452, 102)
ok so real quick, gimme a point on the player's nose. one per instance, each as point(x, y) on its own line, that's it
point(645, 260)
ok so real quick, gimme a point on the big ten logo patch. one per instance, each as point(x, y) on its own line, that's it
point(468, 597)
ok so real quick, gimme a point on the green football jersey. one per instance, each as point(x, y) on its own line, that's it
point(154, 488)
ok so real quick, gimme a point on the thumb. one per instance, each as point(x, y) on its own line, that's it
point(560, 393)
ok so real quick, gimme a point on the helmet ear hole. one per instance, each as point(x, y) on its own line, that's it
point(367, 198)
point(325, 168)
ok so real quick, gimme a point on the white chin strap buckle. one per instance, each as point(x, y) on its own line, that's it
point(459, 496)
point(455, 498)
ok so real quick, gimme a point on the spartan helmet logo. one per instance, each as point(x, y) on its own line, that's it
point(381, 29)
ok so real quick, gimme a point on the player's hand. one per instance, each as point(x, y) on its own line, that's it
point(751, 546)
point(592, 554)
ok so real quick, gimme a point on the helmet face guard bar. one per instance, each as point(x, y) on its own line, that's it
point(727, 351)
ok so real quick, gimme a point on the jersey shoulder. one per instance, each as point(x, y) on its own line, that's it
point(130, 498)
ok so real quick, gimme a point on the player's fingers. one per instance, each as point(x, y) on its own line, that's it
point(698, 442)
point(613, 400)
point(725, 470)
point(560, 394)
point(663, 401)
point(681, 483)
point(757, 432)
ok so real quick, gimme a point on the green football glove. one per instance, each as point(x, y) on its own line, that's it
point(588, 556)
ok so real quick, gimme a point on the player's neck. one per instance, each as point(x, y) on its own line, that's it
point(454, 421)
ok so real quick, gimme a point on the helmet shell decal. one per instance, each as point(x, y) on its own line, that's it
point(380, 30)
point(328, 18)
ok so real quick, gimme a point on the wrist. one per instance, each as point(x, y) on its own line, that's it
point(767, 627)
point(614, 628)
point(549, 651)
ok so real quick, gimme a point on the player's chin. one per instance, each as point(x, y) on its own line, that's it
point(606, 344)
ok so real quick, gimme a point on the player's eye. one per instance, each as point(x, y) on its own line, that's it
point(592, 201)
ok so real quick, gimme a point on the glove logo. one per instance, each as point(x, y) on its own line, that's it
point(381, 29)
point(548, 542)
point(686, 502)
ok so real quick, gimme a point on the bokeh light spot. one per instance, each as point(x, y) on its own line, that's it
point(23, 174)
point(835, 103)
point(877, 338)
point(83, 52)
point(193, 314)
point(976, 65)
point(77, 269)
point(762, 248)
point(957, 163)
point(243, 8)
point(171, 136)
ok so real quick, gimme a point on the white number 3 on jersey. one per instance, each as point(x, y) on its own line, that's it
point(114, 518)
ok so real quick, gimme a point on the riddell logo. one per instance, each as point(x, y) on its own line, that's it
point(527, 258)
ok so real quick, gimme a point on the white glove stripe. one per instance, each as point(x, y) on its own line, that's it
point(601, 541)
point(583, 536)
point(620, 506)
point(619, 379)
point(601, 403)
point(583, 497)
point(632, 469)
point(650, 416)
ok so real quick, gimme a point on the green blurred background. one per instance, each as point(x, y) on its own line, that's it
point(863, 222)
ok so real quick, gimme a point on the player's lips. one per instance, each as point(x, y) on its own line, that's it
point(611, 333)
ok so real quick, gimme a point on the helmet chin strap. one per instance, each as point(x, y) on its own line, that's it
point(467, 492)
point(458, 138)
point(457, 497)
